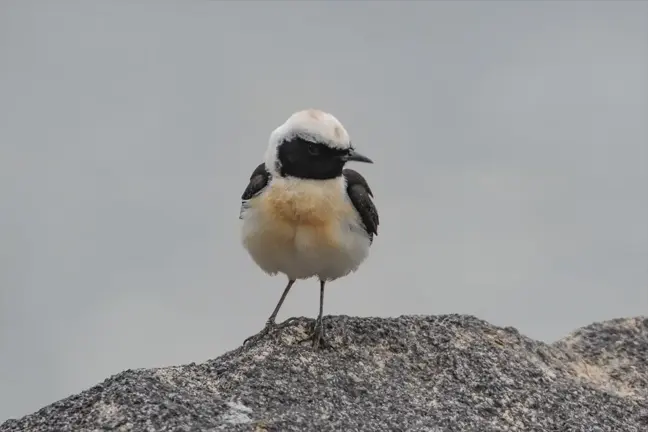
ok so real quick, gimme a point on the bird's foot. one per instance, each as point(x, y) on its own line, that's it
point(317, 337)
point(270, 326)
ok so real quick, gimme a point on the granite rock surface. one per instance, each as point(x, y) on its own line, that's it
point(411, 373)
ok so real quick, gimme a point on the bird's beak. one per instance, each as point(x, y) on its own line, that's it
point(357, 157)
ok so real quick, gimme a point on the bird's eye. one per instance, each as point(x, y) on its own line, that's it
point(313, 149)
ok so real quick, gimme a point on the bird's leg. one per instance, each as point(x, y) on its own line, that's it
point(270, 323)
point(318, 335)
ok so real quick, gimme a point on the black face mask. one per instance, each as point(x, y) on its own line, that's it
point(310, 160)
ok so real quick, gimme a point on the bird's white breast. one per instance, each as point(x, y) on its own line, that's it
point(304, 228)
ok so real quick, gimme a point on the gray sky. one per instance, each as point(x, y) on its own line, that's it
point(511, 170)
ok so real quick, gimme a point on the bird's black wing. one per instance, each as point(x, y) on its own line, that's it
point(361, 197)
point(258, 181)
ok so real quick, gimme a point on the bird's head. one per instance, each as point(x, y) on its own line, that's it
point(311, 144)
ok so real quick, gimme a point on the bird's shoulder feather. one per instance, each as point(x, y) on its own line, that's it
point(360, 195)
point(259, 179)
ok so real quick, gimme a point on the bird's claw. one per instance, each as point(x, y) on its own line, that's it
point(269, 327)
point(317, 337)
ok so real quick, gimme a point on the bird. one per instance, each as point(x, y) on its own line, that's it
point(304, 214)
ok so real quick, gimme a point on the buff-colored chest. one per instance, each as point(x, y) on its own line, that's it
point(304, 228)
point(306, 203)
point(313, 208)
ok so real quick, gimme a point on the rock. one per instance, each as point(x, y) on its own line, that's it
point(411, 373)
point(612, 355)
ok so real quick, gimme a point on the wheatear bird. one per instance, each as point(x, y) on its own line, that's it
point(304, 214)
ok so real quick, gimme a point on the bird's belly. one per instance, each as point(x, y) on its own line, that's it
point(303, 242)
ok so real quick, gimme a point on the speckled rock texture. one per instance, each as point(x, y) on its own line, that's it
point(412, 373)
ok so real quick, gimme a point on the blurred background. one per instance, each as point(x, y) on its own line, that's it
point(511, 170)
